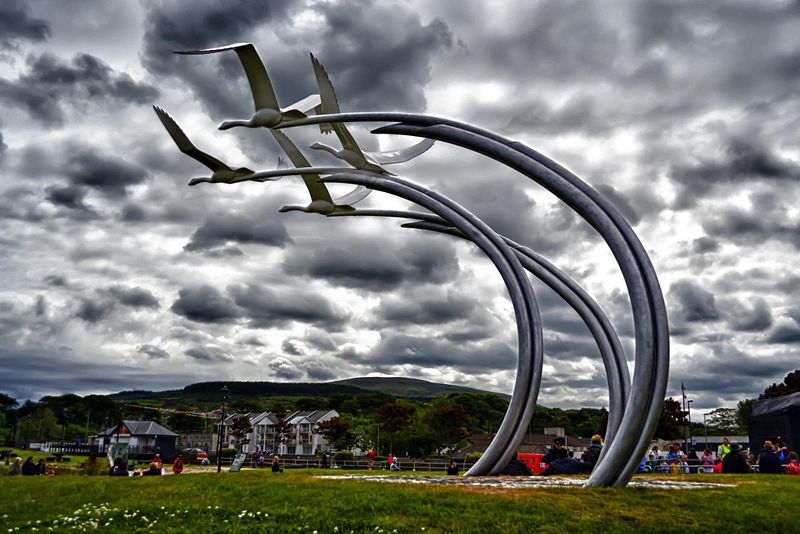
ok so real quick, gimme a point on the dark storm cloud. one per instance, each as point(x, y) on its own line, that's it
point(399, 349)
point(152, 352)
point(17, 24)
point(319, 373)
point(265, 306)
point(742, 161)
point(220, 229)
point(93, 311)
point(784, 332)
point(133, 213)
point(56, 371)
point(320, 339)
point(705, 244)
point(692, 303)
point(205, 304)
point(56, 280)
point(208, 355)
point(373, 264)
point(134, 297)
point(292, 347)
point(284, 369)
point(752, 316)
point(69, 196)
point(752, 227)
point(432, 310)
point(171, 26)
point(50, 83)
point(3, 146)
point(107, 174)
point(378, 54)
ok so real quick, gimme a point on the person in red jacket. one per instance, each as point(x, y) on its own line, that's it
point(371, 458)
point(793, 467)
point(389, 461)
point(177, 465)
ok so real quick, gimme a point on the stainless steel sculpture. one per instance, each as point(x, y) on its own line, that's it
point(633, 407)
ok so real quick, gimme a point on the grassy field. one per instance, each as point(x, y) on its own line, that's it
point(302, 501)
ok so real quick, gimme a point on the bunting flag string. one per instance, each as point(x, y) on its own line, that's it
point(213, 414)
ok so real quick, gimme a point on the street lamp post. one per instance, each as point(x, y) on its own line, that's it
point(221, 431)
point(705, 428)
point(689, 414)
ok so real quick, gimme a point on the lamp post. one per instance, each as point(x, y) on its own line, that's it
point(689, 414)
point(686, 432)
point(221, 431)
point(705, 428)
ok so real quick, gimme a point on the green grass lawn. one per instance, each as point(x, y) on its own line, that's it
point(302, 501)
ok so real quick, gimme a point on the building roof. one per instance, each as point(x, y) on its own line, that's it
point(140, 428)
point(776, 406)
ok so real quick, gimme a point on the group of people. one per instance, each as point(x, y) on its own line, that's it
point(29, 467)
point(156, 467)
point(730, 458)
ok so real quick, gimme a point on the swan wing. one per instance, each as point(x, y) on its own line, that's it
point(330, 104)
point(317, 190)
point(185, 145)
point(260, 84)
point(303, 106)
point(403, 155)
point(356, 195)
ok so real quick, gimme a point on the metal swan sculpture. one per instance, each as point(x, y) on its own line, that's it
point(268, 112)
point(321, 200)
point(351, 152)
point(221, 173)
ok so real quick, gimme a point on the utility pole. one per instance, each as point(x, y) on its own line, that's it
point(689, 415)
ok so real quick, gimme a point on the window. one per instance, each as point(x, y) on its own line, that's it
point(307, 450)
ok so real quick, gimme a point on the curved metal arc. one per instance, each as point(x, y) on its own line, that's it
point(650, 321)
point(526, 386)
point(590, 312)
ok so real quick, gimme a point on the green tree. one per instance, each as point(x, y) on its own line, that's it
point(339, 432)
point(245, 406)
point(307, 404)
point(240, 428)
point(790, 384)
point(743, 408)
point(448, 425)
point(724, 421)
point(672, 420)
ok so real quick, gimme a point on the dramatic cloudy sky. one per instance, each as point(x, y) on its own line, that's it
point(117, 275)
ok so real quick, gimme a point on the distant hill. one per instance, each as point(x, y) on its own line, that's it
point(404, 388)
point(410, 388)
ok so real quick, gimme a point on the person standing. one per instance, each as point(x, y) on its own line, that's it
point(371, 458)
point(390, 460)
point(276, 465)
point(768, 462)
point(734, 461)
point(724, 449)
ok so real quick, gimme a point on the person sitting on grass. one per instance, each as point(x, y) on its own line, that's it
point(16, 467)
point(592, 453)
point(29, 467)
point(177, 465)
point(119, 469)
point(452, 469)
point(155, 470)
point(276, 465)
point(552, 453)
point(793, 468)
point(564, 465)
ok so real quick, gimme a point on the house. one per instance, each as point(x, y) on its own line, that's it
point(294, 433)
point(144, 438)
point(198, 439)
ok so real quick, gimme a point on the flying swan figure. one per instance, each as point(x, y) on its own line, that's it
point(351, 152)
point(221, 173)
point(321, 201)
point(268, 112)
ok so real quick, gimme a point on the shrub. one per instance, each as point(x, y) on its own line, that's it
point(472, 457)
